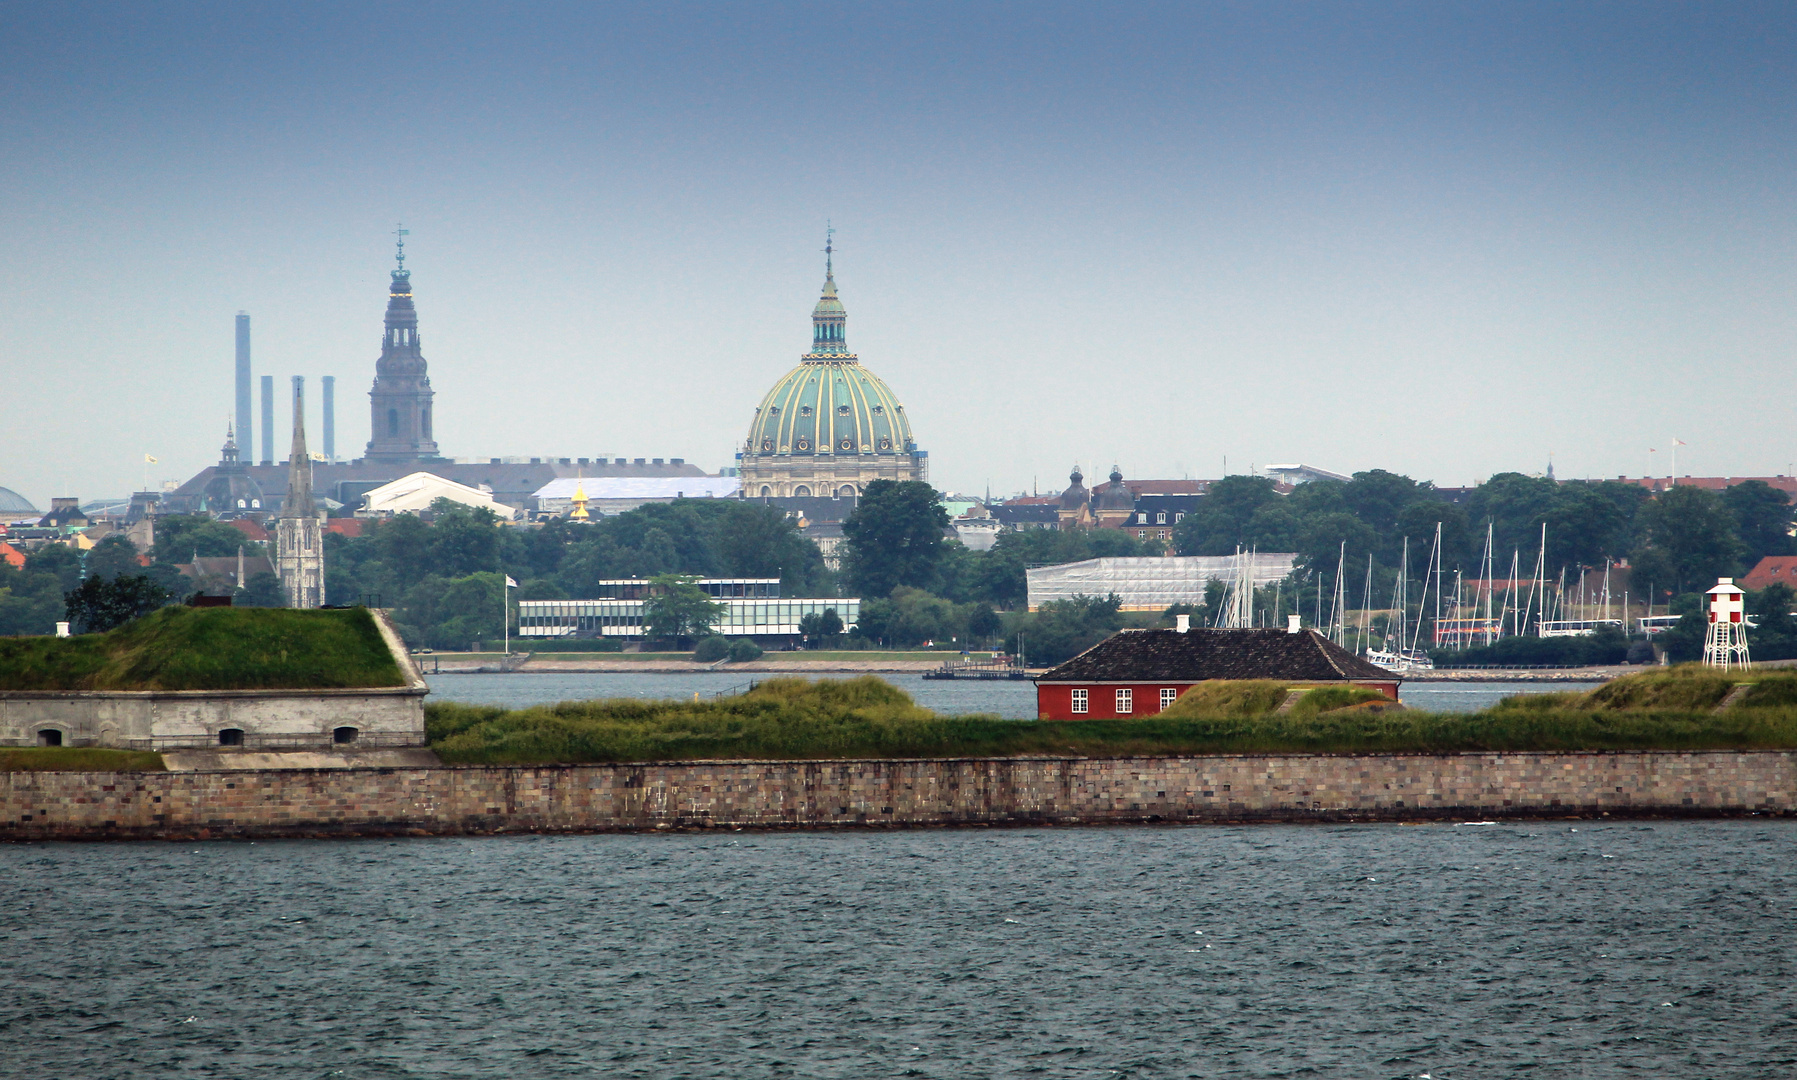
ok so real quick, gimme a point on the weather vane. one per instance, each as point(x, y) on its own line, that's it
point(401, 232)
point(829, 242)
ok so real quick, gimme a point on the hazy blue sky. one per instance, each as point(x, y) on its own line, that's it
point(1441, 239)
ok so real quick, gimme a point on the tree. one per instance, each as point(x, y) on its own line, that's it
point(1762, 516)
point(1062, 629)
point(1695, 530)
point(894, 538)
point(180, 537)
point(983, 624)
point(820, 628)
point(677, 609)
point(58, 559)
point(1220, 524)
point(31, 601)
point(113, 556)
point(100, 604)
point(261, 590)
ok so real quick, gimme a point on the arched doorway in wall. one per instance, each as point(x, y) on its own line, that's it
point(344, 735)
point(801, 492)
point(846, 491)
point(49, 737)
point(766, 492)
point(230, 737)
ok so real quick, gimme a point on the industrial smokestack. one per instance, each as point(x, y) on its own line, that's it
point(330, 416)
point(245, 390)
point(268, 419)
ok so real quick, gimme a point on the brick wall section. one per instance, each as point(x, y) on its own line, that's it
point(806, 794)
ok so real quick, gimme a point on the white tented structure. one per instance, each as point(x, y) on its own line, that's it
point(1152, 584)
point(416, 491)
point(622, 494)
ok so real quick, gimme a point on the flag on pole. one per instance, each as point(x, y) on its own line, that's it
point(510, 584)
point(148, 460)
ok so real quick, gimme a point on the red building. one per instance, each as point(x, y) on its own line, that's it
point(1772, 570)
point(1142, 672)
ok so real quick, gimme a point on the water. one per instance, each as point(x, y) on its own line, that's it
point(1011, 700)
point(1553, 951)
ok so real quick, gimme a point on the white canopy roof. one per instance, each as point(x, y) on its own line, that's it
point(416, 491)
point(642, 487)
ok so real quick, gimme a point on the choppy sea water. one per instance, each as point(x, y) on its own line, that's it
point(1011, 700)
point(1565, 950)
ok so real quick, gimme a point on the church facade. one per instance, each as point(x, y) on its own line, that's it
point(829, 426)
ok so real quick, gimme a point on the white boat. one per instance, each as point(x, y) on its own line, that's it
point(1400, 660)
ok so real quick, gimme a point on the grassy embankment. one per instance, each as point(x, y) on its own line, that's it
point(183, 648)
point(865, 717)
point(78, 759)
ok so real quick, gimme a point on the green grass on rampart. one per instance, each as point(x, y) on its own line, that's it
point(868, 718)
point(184, 648)
point(78, 759)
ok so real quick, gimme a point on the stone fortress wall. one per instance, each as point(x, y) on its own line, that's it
point(268, 719)
point(902, 793)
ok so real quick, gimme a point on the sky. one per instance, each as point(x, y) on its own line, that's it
point(1447, 240)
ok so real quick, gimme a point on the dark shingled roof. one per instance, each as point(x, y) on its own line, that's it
point(1197, 655)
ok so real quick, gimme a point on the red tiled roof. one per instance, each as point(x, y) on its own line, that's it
point(1772, 570)
point(1200, 654)
point(12, 556)
point(344, 526)
point(251, 530)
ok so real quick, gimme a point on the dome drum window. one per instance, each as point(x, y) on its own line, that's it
point(804, 410)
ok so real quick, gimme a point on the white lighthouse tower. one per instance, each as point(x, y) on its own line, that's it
point(1725, 645)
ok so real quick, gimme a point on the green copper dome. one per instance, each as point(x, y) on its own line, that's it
point(830, 404)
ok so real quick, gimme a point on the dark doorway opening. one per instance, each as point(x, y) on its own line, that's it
point(49, 737)
point(231, 737)
point(344, 735)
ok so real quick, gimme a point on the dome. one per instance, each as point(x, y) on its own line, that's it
point(11, 502)
point(1116, 495)
point(830, 407)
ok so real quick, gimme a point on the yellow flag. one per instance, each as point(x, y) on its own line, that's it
point(148, 460)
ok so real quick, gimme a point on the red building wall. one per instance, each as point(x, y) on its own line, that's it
point(1054, 701)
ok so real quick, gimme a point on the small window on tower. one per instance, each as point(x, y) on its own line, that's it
point(393, 422)
point(842, 410)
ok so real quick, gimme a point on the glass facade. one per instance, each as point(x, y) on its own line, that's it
point(742, 616)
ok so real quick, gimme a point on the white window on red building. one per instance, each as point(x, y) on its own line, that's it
point(1168, 697)
point(1079, 700)
point(1123, 702)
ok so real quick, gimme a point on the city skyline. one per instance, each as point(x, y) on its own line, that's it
point(1445, 243)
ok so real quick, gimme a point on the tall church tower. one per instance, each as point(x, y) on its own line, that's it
point(299, 534)
point(400, 403)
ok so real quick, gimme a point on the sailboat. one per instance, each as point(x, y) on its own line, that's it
point(1400, 655)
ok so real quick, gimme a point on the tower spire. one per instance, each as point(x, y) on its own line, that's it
point(400, 232)
point(827, 318)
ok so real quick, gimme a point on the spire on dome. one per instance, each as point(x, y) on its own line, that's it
point(827, 318)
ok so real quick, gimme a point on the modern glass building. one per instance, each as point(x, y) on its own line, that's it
point(753, 607)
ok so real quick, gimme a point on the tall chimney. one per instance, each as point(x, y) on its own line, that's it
point(268, 419)
point(1291, 624)
point(245, 389)
point(1182, 623)
point(329, 396)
